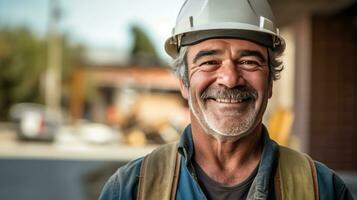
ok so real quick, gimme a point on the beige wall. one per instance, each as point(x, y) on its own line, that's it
point(283, 89)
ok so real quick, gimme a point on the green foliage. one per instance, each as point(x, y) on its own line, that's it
point(23, 63)
point(143, 51)
point(22, 58)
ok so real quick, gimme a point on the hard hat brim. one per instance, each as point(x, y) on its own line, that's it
point(196, 37)
point(192, 38)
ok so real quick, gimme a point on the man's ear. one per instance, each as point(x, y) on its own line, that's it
point(183, 89)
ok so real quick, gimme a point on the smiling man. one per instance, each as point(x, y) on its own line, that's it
point(226, 55)
point(228, 88)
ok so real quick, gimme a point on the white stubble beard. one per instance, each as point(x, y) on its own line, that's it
point(207, 121)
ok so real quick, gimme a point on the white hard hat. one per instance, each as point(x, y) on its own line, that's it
point(199, 20)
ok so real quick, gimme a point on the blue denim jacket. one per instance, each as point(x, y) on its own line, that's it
point(123, 184)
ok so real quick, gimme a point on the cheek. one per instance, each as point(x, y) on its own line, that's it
point(199, 81)
point(259, 81)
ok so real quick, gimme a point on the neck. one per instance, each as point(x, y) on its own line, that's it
point(227, 162)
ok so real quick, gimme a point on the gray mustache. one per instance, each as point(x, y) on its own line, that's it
point(237, 93)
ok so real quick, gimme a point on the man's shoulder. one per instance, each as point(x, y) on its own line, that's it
point(129, 169)
point(123, 183)
point(331, 186)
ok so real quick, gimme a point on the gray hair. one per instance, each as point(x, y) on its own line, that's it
point(180, 67)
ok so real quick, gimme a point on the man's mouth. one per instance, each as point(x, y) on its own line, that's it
point(237, 95)
point(231, 100)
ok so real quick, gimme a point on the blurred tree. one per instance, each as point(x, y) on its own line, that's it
point(143, 51)
point(22, 59)
point(22, 64)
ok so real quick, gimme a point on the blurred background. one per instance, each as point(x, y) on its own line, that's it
point(85, 86)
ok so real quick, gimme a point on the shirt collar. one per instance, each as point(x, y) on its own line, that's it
point(185, 145)
point(263, 180)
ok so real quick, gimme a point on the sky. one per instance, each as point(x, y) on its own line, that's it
point(99, 24)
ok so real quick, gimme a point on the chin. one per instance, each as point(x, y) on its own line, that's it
point(231, 129)
point(232, 134)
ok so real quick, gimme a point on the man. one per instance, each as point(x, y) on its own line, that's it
point(226, 56)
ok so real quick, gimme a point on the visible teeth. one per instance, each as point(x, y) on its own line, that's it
point(229, 100)
point(223, 100)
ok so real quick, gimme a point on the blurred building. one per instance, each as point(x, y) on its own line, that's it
point(322, 35)
point(129, 97)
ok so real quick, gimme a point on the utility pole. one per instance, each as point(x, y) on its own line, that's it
point(54, 62)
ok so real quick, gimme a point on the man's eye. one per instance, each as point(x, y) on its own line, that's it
point(209, 65)
point(249, 64)
point(210, 62)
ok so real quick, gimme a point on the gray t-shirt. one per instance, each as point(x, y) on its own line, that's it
point(216, 191)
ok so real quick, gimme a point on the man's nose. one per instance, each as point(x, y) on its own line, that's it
point(230, 75)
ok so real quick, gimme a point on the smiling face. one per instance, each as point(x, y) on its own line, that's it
point(229, 86)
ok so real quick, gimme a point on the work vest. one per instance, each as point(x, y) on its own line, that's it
point(295, 177)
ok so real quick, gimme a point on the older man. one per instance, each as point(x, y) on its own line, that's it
point(226, 56)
